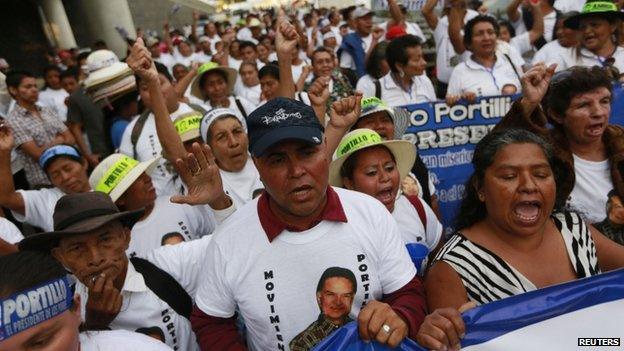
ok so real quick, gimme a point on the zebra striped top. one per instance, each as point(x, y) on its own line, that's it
point(488, 277)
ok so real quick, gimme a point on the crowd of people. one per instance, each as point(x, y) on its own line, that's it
point(234, 186)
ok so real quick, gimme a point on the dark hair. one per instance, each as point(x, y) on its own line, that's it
point(397, 50)
point(565, 85)
point(70, 72)
point(337, 272)
point(509, 26)
point(161, 69)
point(373, 64)
point(469, 27)
point(245, 43)
point(51, 68)
point(99, 45)
point(27, 269)
point(180, 65)
point(248, 63)
point(321, 49)
point(170, 235)
point(82, 56)
point(472, 209)
point(348, 167)
point(269, 70)
point(14, 77)
point(202, 79)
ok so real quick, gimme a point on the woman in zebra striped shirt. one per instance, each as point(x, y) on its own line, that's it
point(511, 236)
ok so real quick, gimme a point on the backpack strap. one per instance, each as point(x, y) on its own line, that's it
point(300, 95)
point(164, 286)
point(377, 88)
point(514, 67)
point(240, 107)
point(137, 129)
point(417, 203)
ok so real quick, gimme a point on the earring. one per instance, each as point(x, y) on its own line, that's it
point(481, 196)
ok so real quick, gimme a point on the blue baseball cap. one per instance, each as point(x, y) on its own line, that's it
point(51, 153)
point(281, 119)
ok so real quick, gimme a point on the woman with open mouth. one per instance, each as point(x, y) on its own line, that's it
point(366, 163)
point(512, 235)
point(576, 103)
point(599, 27)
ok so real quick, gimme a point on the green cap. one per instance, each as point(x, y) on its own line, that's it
point(604, 9)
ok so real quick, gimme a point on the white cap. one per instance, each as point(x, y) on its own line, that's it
point(361, 12)
point(329, 35)
point(116, 173)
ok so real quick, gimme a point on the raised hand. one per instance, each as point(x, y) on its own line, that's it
point(346, 111)
point(7, 142)
point(319, 91)
point(286, 38)
point(378, 32)
point(535, 82)
point(201, 175)
point(140, 61)
point(103, 304)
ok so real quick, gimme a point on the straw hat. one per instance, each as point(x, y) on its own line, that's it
point(403, 151)
point(230, 73)
point(116, 173)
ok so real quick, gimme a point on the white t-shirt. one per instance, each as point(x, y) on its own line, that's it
point(186, 60)
point(410, 28)
point(213, 42)
point(9, 232)
point(522, 42)
point(592, 185)
point(550, 20)
point(411, 227)
point(234, 63)
point(444, 49)
point(148, 146)
point(549, 53)
point(273, 284)
point(346, 61)
point(297, 71)
point(366, 84)
point(55, 99)
point(569, 58)
point(569, 5)
point(169, 219)
point(202, 57)
point(142, 308)
point(336, 31)
point(470, 76)
point(252, 94)
point(119, 340)
point(167, 60)
point(421, 91)
point(240, 186)
point(248, 106)
point(39, 207)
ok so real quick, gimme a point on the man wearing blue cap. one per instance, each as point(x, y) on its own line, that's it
point(267, 258)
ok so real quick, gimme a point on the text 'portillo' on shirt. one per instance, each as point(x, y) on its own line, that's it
point(288, 288)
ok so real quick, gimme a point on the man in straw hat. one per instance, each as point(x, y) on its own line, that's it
point(291, 234)
point(128, 183)
point(91, 237)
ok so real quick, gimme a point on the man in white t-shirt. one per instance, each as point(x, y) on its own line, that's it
point(90, 239)
point(266, 260)
point(356, 47)
point(65, 168)
point(146, 145)
point(49, 317)
point(128, 183)
point(165, 58)
point(54, 95)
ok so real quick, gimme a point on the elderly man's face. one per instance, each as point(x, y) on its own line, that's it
point(98, 252)
point(295, 174)
point(335, 299)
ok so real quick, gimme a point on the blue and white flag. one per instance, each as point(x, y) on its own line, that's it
point(582, 315)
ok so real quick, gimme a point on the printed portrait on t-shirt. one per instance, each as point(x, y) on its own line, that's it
point(613, 224)
point(172, 238)
point(334, 294)
point(153, 332)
